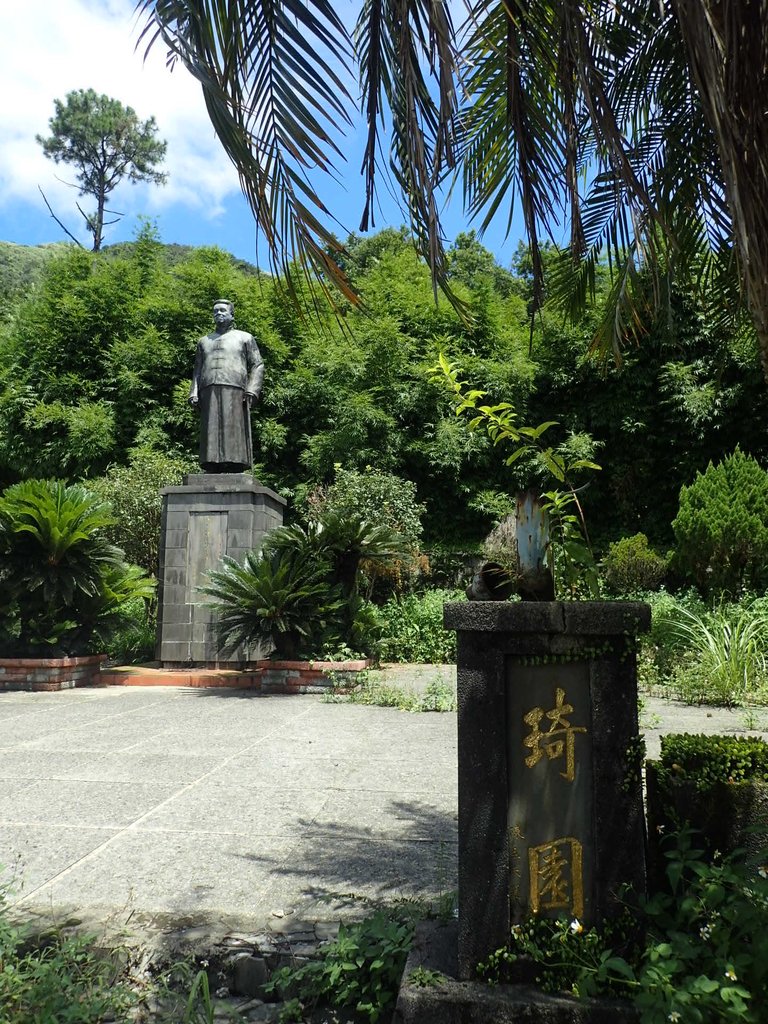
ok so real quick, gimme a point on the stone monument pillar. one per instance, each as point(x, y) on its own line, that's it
point(550, 792)
point(211, 515)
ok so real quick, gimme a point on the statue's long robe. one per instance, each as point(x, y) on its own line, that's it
point(228, 368)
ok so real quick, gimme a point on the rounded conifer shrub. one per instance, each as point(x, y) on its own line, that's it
point(631, 566)
point(721, 528)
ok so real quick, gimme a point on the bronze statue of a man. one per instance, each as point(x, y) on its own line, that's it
point(227, 378)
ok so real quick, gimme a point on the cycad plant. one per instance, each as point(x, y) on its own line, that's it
point(59, 575)
point(299, 595)
point(275, 599)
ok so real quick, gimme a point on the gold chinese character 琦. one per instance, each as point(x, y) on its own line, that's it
point(556, 881)
point(558, 740)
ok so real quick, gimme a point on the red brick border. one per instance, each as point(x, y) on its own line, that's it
point(261, 676)
point(49, 673)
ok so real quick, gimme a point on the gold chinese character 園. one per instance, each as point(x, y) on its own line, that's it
point(556, 881)
point(558, 739)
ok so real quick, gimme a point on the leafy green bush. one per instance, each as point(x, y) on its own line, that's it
point(713, 784)
point(56, 976)
point(412, 629)
point(721, 528)
point(131, 641)
point(60, 978)
point(631, 566)
point(451, 569)
point(380, 498)
point(707, 760)
point(373, 496)
point(63, 583)
point(362, 968)
point(133, 494)
point(703, 961)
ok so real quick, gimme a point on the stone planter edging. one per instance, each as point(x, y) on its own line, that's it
point(261, 676)
point(49, 674)
point(726, 817)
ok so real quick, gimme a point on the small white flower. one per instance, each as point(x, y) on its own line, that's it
point(673, 1016)
point(730, 974)
point(204, 963)
point(576, 926)
point(763, 871)
point(717, 855)
point(661, 829)
point(705, 931)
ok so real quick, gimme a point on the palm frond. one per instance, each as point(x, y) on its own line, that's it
point(407, 58)
point(273, 75)
point(727, 49)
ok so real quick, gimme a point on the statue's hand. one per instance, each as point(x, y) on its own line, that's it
point(193, 399)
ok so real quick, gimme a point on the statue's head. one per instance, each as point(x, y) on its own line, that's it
point(223, 313)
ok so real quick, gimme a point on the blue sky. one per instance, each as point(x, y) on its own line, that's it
point(50, 47)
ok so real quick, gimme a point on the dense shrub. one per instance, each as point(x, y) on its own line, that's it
point(451, 568)
point(721, 529)
point(381, 499)
point(413, 628)
point(631, 566)
point(133, 493)
point(707, 760)
point(132, 639)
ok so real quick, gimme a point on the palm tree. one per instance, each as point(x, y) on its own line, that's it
point(640, 122)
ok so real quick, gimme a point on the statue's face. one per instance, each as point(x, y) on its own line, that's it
point(222, 315)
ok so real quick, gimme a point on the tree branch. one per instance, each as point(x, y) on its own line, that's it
point(63, 228)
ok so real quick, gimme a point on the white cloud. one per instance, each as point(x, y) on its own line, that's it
point(50, 47)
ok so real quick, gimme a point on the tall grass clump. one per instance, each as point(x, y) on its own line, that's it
point(730, 650)
point(703, 654)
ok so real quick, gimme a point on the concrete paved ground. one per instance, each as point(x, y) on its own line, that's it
point(220, 808)
point(215, 810)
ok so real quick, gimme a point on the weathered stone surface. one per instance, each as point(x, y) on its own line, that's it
point(472, 1002)
point(578, 618)
point(550, 800)
point(210, 516)
point(249, 974)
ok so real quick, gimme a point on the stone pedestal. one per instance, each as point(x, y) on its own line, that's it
point(211, 515)
point(550, 791)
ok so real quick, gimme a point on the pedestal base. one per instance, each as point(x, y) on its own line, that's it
point(211, 515)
